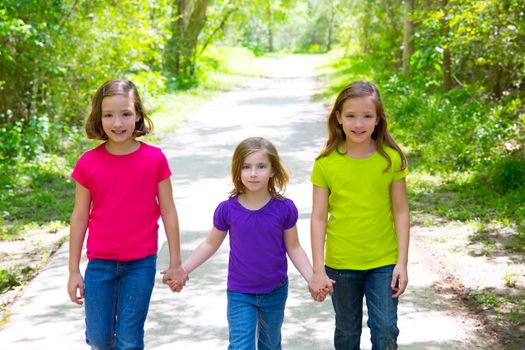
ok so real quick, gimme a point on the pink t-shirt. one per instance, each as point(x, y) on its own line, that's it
point(124, 214)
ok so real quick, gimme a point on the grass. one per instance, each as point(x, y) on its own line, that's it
point(506, 306)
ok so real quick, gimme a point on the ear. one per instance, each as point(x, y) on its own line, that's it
point(338, 116)
point(377, 120)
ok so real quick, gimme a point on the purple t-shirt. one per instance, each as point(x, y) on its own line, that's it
point(258, 261)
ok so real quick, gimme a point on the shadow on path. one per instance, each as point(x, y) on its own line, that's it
point(199, 153)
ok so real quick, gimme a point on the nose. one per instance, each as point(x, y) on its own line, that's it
point(253, 172)
point(118, 121)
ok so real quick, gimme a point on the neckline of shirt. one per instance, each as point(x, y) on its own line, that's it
point(103, 146)
point(236, 200)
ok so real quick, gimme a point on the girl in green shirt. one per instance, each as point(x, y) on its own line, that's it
point(360, 209)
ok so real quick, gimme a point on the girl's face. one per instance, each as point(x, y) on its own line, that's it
point(358, 119)
point(256, 171)
point(119, 118)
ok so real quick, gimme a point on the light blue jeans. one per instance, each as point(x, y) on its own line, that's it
point(260, 316)
point(347, 299)
point(117, 296)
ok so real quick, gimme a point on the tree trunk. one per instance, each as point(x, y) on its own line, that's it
point(270, 26)
point(330, 27)
point(181, 48)
point(447, 63)
point(408, 45)
point(195, 24)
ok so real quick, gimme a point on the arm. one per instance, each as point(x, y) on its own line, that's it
point(168, 213)
point(400, 212)
point(205, 250)
point(318, 223)
point(77, 232)
point(297, 253)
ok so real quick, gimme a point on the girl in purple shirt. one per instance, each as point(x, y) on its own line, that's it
point(262, 227)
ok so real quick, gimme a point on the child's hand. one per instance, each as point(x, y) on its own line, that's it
point(175, 278)
point(399, 280)
point(318, 295)
point(320, 286)
point(76, 283)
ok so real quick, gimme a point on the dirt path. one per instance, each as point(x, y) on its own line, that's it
point(199, 153)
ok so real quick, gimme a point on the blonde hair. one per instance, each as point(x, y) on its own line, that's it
point(279, 180)
point(336, 135)
point(114, 87)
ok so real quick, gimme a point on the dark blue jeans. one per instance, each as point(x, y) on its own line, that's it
point(261, 313)
point(117, 296)
point(349, 288)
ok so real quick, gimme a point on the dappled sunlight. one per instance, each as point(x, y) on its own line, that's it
point(199, 154)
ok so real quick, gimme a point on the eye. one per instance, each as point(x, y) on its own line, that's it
point(369, 116)
point(262, 166)
point(349, 116)
point(245, 166)
point(107, 115)
point(128, 114)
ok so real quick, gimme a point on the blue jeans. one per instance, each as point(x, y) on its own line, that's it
point(349, 288)
point(263, 314)
point(117, 296)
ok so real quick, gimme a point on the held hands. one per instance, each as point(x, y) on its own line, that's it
point(175, 278)
point(399, 280)
point(320, 286)
point(76, 283)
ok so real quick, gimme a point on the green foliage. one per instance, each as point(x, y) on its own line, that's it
point(8, 280)
point(507, 174)
point(14, 277)
point(512, 306)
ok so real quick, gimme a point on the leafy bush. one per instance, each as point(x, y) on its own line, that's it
point(8, 280)
point(508, 173)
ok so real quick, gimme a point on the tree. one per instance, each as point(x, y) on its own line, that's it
point(447, 63)
point(189, 18)
point(408, 46)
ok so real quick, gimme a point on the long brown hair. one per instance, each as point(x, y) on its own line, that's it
point(279, 180)
point(336, 135)
point(113, 87)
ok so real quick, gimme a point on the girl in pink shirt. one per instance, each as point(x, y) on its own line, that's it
point(122, 188)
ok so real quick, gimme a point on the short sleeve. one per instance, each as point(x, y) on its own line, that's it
point(317, 178)
point(164, 169)
point(396, 166)
point(291, 214)
point(79, 172)
point(220, 217)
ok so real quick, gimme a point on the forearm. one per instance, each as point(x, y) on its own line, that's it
point(77, 233)
point(401, 215)
point(402, 224)
point(203, 252)
point(171, 226)
point(318, 228)
point(300, 260)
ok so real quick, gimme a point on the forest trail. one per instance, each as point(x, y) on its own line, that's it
point(278, 107)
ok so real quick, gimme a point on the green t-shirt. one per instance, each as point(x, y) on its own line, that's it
point(360, 233)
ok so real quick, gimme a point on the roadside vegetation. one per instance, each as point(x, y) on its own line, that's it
point(451, 72)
